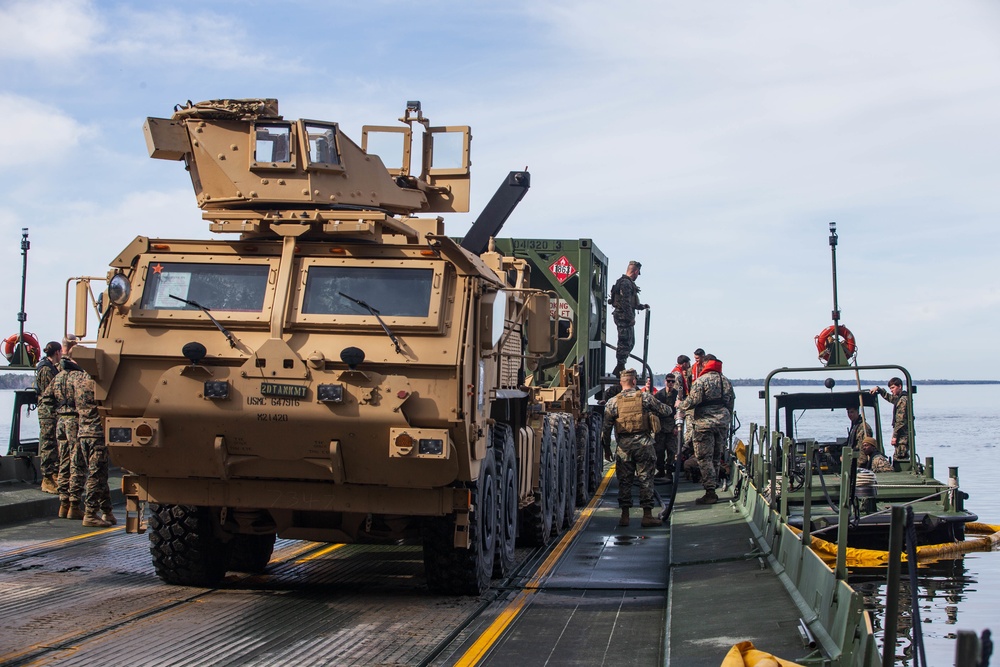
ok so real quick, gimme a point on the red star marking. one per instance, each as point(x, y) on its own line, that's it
point(158, 268)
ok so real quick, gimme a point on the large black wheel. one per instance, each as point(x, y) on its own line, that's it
point(506, 457)
point(251, 553)
point(583, 463)
point(536, 518)
point(569, 504)
point(186, 547)
point(461, 571)
point(595, 456)
point(558, 426)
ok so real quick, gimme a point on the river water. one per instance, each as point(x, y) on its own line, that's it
point(957, 426)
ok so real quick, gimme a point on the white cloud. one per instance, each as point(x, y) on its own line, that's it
point(47, 31)
point(38, 134)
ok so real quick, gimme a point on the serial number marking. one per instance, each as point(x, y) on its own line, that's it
point(269, 417)
point(536, 244)
point(284, 403)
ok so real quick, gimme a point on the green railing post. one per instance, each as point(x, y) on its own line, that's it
point(898, 517)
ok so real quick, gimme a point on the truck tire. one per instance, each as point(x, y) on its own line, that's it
point(250, 553)
point(507, 483)
point(569, 505)
point(583, 463)
point(536, 518)
point(185, 546)
point(596, 458)
point(459, 571)
point(558, 426)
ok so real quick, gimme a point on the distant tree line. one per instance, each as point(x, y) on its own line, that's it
point(16, 380)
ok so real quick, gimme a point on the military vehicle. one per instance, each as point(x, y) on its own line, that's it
point(339, 369)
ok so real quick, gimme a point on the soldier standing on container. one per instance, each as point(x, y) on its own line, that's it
point(48, 448)
point(625, 301)
point(900, 427)
point(711, 400)
point(629, 414)
point(93, 454)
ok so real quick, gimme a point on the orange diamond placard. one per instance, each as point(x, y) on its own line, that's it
point(562, 269)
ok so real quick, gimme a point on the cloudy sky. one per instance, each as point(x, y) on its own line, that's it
point(712, 141)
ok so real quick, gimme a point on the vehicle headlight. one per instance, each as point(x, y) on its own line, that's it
point(119, 289)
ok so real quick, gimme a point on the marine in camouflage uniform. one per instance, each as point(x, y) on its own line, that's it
point(665, 440)
point(635, 458)
point(900, 428)
point(710, 403)
point(624, 301)
point(860, 429)
point(71, 471)
point(877, 461)
point(94, 452)
point(48, 447)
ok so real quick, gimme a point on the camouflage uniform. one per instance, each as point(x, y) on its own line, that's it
point(48, 448)
point(711, 399)
point(72, 467)
point(900, 429)
point(94, 452)
point(635, 458)
point(624, 301)
point(665, 440)
point(880, 463)
point(855, 436)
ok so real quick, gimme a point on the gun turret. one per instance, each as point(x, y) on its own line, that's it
point(252, 169)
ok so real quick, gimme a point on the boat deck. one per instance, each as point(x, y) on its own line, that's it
point(681, 594)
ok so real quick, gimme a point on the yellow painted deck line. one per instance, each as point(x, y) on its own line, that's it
point(60, 541)
point(496, 629)
point(322, 552)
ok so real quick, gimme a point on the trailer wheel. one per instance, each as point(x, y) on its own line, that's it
point(569, 506)
point(596, 460)
point(460, 571)
point(558, 425)
point(251, 553)
point(583, 463)
point(185, 545)
point(503, 447)
point(536, 518)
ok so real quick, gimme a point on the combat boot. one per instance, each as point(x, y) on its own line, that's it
point(49, 484)
point(74, 511)
point(648, 520)
point(710, 498)
point(624, 520)
point(63, 509)
point(110, 518)
point(91, 520)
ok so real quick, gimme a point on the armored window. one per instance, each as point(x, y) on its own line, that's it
point(321, 144)
point(392, 292)
point(272, 144)
point(224, 287)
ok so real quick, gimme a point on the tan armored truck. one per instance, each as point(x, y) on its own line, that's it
point(339, 369)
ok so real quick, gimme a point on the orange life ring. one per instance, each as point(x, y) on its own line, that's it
point(843, 336)
point(30, 342)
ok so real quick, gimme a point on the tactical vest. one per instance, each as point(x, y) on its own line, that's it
point(42, 364)
point(632, 418)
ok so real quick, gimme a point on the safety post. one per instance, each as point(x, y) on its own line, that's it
point(897, 518)
point(846, 458)
point(807, 497)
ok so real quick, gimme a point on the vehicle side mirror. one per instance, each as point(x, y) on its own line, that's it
point(82, 305)
point(539, 324)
